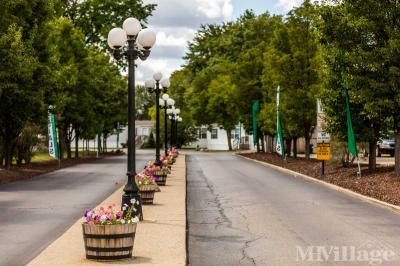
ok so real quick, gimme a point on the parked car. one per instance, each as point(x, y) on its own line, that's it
point(385, 146)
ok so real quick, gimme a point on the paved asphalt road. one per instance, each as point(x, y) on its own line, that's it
point(243, 213)
point(34, 213)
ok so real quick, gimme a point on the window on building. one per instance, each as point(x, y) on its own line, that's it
point(145, 131)
point(202, 133)
point(235, 133)
point(214, 133)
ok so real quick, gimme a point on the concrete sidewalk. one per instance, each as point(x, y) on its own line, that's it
point(160, 238)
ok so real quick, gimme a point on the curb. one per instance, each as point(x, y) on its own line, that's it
point(368, 199)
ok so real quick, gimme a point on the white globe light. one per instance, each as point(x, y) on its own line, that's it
point(146, 38)
point(157, 76)
point(131, 26)
point(140, 47)
point(170, 117)
point(169, 111)
point(170, 102)
point(165, 83)
point(116, 38)
point(149, 84)
point(180, 119)
point(161, 102)
point(178, 111)
point(165, 97)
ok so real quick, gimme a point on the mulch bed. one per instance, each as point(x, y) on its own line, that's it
point(27, 171)
point(381, 184)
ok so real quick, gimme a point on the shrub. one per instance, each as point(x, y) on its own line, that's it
point(26, 143)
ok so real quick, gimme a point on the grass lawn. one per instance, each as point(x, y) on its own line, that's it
point(43, 156)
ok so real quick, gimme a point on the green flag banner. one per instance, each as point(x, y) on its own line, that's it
point(280, 148)
point(351, 140)
point(53, 142)
point(255, 109)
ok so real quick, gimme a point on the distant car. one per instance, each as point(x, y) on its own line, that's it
point(385, 146)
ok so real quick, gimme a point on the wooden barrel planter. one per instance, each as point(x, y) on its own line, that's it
point(147, 192)
point(161, 179)
point(109, 242)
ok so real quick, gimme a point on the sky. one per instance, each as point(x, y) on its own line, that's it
point(176, 22)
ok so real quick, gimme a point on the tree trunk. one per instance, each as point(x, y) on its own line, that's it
point(262, 142)
point(397, 153)
point(68, 146)
point(295, 147)
point(307, 149)
point(104, 143)
point(288, 147)
point(76, 143)
point(372, 156)
point(2, 156)
point(68, 140)
point(9, 150)
point(61, 141)
point(229, 137)
point(271, 144)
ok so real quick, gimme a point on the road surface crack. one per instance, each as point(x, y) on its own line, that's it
point(245, 255)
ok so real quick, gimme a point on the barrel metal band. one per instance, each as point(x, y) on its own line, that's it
point(108, 236)
point(109, 249)
point(118, 257)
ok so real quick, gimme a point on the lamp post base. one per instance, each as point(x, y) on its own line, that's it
point(133, 197)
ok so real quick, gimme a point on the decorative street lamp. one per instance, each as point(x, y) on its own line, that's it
point(166, 103)
point(177, 119)
point(171, 113)
point(131, 42)
point(174, 116)
point(154, 86)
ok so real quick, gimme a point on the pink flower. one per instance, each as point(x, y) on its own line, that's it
point(91, 223)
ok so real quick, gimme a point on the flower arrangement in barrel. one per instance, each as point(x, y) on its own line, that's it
point(156, 169)
point(146, 181)
point(174, 152)
point(111, 216)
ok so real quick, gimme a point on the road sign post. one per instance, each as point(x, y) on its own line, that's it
point(323, 154)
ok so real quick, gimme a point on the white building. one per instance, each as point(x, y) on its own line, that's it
point(216, 138)
point(143, 129)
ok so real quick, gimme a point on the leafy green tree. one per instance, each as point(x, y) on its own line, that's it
point(144, 101)
point(97, 17)
point(369, 41)
point(294, 62)
point(20, 99)
point(21, 82)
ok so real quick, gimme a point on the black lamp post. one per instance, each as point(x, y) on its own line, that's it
point(154, 86)
point(177, 120)
point(139, 42)
point(166, 103)
point(174, 116)
point(177, 112)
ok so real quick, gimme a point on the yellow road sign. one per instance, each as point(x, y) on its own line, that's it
point(323, 151)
